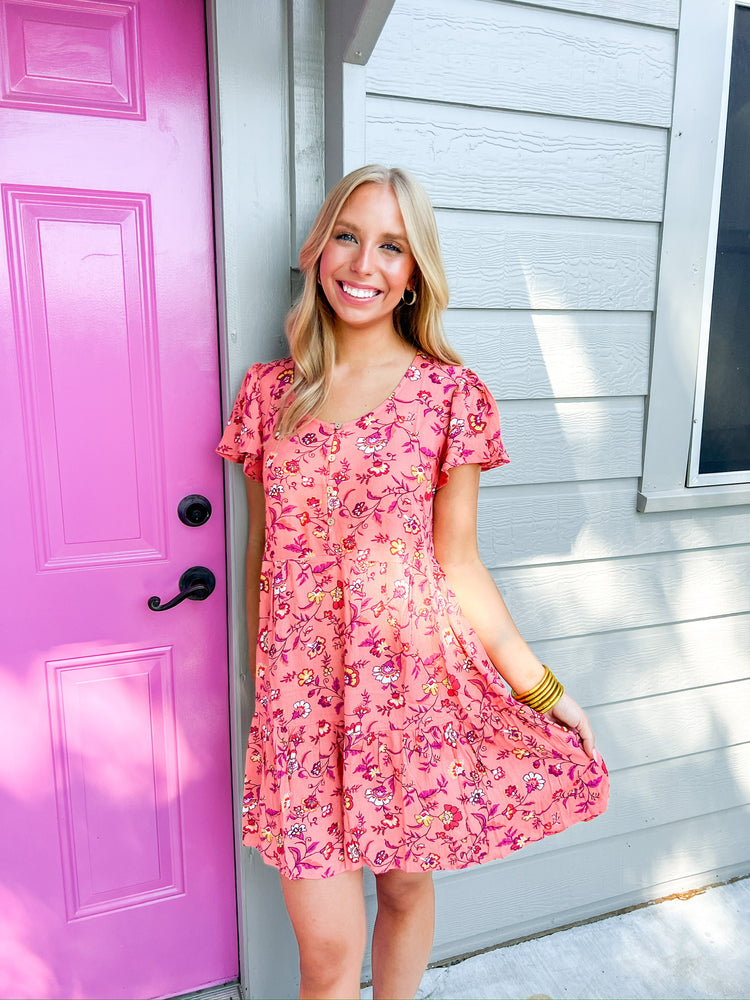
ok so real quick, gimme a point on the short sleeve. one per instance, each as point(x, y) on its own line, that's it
point(473, 436)
point(242, 440)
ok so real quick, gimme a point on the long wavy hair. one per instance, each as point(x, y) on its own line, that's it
point(310, 322)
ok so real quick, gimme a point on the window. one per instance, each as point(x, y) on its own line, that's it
point(697, 444)
point(720, 451)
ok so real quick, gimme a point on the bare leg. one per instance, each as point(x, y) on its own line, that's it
point(328, 917)
point(403, 932)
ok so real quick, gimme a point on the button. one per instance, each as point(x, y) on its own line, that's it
point(330, 520)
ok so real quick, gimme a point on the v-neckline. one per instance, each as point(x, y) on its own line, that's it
point(338, 425)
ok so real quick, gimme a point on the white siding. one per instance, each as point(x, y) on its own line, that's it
point(547, 262)
point(507, 55)
point(540, 132)
point(541, 355)
point(505, 161)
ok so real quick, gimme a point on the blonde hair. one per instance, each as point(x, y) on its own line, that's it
point(310, 323)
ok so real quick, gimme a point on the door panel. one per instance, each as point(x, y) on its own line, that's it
point(116, 853)
point(97, 345)
point(115, 788)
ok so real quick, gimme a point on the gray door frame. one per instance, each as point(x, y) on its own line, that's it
point(248, 83)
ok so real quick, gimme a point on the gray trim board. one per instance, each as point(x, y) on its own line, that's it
point(352, 27)
point(248, 46)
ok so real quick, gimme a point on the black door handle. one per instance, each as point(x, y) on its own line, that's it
point(194, 510)
point(196, 584)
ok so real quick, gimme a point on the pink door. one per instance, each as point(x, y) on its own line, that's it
point(117, 860)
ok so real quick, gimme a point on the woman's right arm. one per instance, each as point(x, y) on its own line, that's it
point(256, 508)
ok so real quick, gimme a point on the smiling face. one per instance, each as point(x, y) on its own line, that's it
point(367, 263)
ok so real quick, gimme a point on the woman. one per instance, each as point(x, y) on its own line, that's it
point(384, 734)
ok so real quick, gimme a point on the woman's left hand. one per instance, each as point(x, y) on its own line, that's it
point(569, 713)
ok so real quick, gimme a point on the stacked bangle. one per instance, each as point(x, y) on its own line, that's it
point(544, 695)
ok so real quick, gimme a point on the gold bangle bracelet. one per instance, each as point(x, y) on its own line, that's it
point(530, 693)
point(540, 692)
point(544, 695)
point(550, 702)
point(543, 700)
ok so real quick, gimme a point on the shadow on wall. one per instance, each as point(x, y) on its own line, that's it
point(591, 584)
point(670, 720)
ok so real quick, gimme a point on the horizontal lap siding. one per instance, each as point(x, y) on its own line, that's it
point(506, 55)
point(566, 522)
point(711, 718)
point(540, 132)
point(487, 160)
point(544, 262)
point(581, 598)
point(552, 440)
point(651, 12)
point(633, 665)
point(556, 354)
point(541, 890)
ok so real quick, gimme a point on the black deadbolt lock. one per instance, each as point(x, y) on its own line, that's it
point(194, 510)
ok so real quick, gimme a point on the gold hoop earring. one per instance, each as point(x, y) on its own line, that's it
point(412, 300)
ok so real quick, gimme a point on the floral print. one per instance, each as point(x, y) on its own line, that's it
point(383, 736)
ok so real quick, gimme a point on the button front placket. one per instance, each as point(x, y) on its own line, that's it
point(332, 489)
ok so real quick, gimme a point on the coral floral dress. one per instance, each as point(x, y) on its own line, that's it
point(383, 735)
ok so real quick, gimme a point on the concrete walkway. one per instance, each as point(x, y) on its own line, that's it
point(681, 948)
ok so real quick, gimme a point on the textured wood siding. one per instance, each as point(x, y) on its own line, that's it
point(507, 55)
point(506, 161)
point(541, 132)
